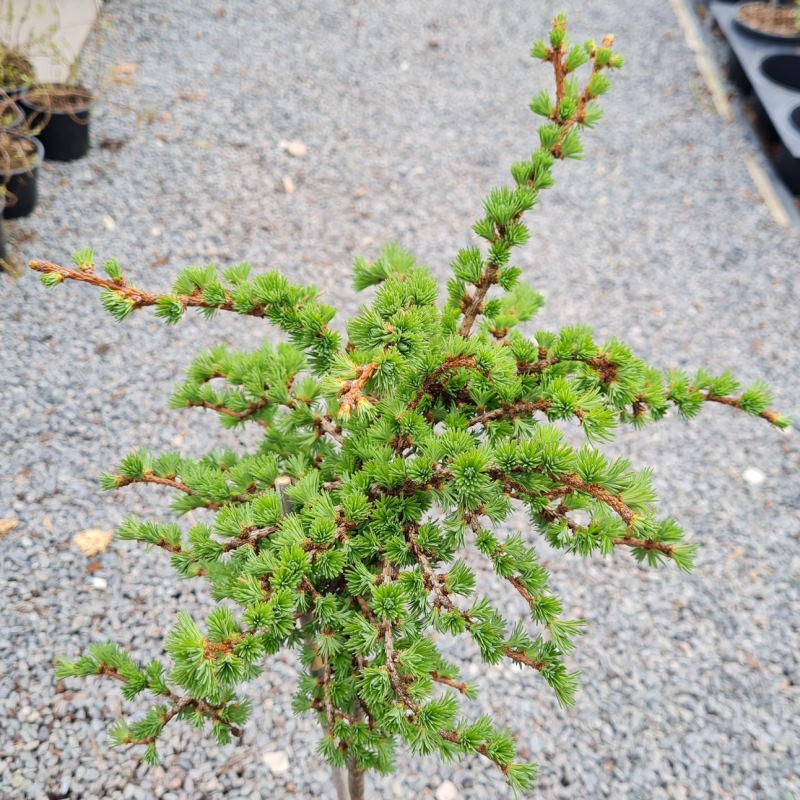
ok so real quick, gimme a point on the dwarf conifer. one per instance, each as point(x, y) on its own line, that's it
point(389, 459)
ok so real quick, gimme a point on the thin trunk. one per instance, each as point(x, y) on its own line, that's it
point(355, 775)
point(340, 784)
point(355, 781)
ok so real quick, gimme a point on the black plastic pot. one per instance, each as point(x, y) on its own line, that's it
point(21, 182)
point(63, 132)
point(778, 38)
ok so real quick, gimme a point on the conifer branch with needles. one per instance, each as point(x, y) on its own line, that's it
point(356, 531)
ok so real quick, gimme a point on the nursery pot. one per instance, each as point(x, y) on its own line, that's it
point(775, 23)
point(59, 115)
point(20, 156)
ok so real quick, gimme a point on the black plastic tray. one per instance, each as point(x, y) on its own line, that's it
point(780, 103)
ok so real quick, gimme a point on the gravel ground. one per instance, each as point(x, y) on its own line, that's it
point(409, 112)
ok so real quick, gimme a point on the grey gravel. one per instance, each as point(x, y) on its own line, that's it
point(409, 113)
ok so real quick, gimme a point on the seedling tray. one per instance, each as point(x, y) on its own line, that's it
point(761, 61)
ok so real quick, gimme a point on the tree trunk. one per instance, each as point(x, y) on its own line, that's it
point(355, 781)
point(355, 778)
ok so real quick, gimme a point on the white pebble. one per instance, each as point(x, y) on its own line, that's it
point(98, 582)
point(446, 791)
point(277, 762)
point(754, 476)
point(109, 223)
point(294, 148)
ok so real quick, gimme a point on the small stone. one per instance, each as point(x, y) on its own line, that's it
point(98, 582)
point(446, 791)
point(293, 147)
point(754, 476)
point(7, 525)
point(109, 223)
point(277, 762)
point(288, 184)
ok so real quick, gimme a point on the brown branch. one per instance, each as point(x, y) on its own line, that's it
point(566, 484)
point(394, 676)
point(513, 410)
point(615, 503)
point(254, 407)
point(179, 703)
point(736, 402)
point(553, 514)
point(472, 305)
point(556, 55)
point(173, 548)
point(453, 736)
point(646, 544)
point(172, 483)
point(432, 382)
point(250, 537)
point(606, 369)
point(139, 297)
point(459, 686)
point(352, 392)
point(325, 424)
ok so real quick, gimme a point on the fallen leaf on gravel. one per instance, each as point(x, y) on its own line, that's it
point(124, 68)
point(186, 95)
point(123, 73)
point(294, 148)
point(93, 541)
point(749, 660)
point(7, 525)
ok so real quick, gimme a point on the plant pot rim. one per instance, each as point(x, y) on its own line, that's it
point(29, 167)
point(78, 89)
point(784, 38)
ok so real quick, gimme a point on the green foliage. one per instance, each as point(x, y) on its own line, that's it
point(403, 451)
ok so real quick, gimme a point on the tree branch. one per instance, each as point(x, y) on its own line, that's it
point(139, 298)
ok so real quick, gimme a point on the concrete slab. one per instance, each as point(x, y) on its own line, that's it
point(50, 32)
